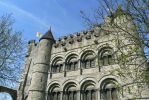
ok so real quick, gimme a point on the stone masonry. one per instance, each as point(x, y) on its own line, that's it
point(78, 67)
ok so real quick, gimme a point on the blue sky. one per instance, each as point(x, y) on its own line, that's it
point(33, 16)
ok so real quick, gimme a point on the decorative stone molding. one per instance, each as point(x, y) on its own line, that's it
point(71, 36)
point(71, 41)
point(88, 37)
point(65, 49)
point(79, 39)
point(78, 34)
point(55, 45)
point(65, 37)
point(96, 41)
point(63, 43)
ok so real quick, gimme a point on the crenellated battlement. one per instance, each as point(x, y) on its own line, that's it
point(77, 37)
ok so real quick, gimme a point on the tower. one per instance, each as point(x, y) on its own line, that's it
point(37, 89)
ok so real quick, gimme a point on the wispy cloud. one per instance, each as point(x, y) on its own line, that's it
point(22, 12)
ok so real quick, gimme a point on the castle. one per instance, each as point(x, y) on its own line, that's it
point(78, 67)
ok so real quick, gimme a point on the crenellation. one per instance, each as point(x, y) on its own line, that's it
point(65, 37)
point(84, 32)
point(63, 43)
point(31, 46)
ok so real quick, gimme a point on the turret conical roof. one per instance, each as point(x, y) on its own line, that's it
point(48, 35)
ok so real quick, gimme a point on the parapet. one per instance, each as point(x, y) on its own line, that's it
point(31, 45)
point(71, 39)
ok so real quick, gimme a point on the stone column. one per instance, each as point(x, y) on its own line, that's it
point(64, 69)
point(78, 95)
point(89, 95)
point(79, 64)
point(81, 68)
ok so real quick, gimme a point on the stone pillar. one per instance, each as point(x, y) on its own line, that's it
point(37, 89)
point(64, 69)
point(61, 95)
point(78, 95)
point(98, 94)
point(81, 68)
point(79, 64)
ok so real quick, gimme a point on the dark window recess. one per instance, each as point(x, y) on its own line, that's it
point(72, 66)
point(88, 63)
point(54, 96)
point(109, 92)
point(89, 95)
point(106, 59)
point(57, 68)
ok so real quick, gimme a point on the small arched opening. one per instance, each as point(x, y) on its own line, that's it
point(106, 56)
point(54, 92)
point(88, 59)
point(109, 90)
point(57, 65)
point(88, 91)
point(70, 91)
point(8, 92)
point(72, 62)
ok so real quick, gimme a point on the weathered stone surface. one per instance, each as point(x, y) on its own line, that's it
point(84, 75)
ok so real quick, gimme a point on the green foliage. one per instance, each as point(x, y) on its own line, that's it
point(128, 22)
point(146, 76)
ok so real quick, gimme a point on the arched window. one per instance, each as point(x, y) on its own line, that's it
point(88, 60)
point(109, 90)
point(57, 65)
point(106, 57)
point(88, 91)
point(70, 92)
point(54, 92)
point(72, 63)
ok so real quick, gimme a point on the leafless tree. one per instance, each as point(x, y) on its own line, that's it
point(128, 22)
point(11, 51)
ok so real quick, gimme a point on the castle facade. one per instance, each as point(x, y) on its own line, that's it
point(80, 66)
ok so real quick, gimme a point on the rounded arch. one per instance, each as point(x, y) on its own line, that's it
point(54, 92)
point(12, 92)
point(109, 77)
point(88, 59)
point(57, 65)
point(105, 45)
point(109, 85)
point(84, 51)
point(55, 58)
point(71, 81)
point(88, 79)
point(101, 50)
point(88, 89)
point(70, 90)
point(71, 62)
point(52, 83)
point(70, 86)
point(69, 54)
point(88, 84)
point(54, 87)
point(5, 96)
point(106, 56)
